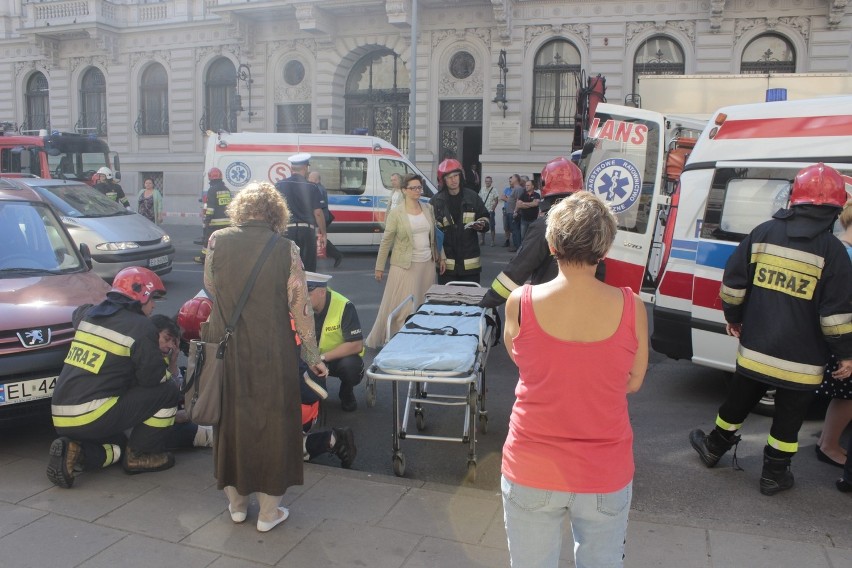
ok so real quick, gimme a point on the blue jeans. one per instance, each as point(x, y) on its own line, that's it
point(534, 518)
point(516, 232)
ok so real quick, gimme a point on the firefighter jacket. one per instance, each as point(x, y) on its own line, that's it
point(108, 356)
point(792, 296)
point(218, 198)
point(114, 191)
point(533, 261)
point(461, 245)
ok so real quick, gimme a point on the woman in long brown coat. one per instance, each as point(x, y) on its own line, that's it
point(258, 442)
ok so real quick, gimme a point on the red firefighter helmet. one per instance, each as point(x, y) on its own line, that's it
point(561, 177)
point(449, 166)
point(138, 283)
point(819, 185)
point(214, 173)
point(192, 314)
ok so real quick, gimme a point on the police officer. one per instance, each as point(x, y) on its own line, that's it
point(786, 297)
point(215, 210)
point(306, 216)
point(460, 214)
point(331, 251)
point(107, 185)
point(114, 379)
point(533, 260)
point(339, 337)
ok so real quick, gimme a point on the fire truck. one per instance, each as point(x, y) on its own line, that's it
point(677, 229)
point(61, 155)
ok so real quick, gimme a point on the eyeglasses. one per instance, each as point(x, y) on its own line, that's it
point(415, 188)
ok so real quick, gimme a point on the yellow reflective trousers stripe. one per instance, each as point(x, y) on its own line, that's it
point(727, 426)
point(781, 369)
point(65, 421)
point(789, 447)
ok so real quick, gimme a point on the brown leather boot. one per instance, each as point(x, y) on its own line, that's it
point(66, 459)
point(140, 462)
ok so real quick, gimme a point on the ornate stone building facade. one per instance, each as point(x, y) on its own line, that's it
point(152, 76)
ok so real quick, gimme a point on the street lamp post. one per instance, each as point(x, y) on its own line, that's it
point(500, 97)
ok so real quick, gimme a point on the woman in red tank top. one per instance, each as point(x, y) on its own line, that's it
point(580, 346)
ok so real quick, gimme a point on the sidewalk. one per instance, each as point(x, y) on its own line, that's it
point(338, 518)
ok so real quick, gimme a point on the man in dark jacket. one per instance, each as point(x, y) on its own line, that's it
point(331, 251)
point(307, 222)
point(460, 214)
point(114, 379)
point(786, 297)
point(215, 209)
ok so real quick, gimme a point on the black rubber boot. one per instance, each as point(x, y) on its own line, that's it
point(711, 447)
point(776, 475)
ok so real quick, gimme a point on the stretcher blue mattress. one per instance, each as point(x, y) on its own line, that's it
point(437, 338)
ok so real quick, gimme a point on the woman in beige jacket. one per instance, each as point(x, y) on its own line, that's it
point(410, 239)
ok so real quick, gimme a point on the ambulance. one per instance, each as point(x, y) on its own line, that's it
point(674, 237)
point(356, 171)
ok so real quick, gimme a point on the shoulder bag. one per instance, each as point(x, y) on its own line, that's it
point(205, 370)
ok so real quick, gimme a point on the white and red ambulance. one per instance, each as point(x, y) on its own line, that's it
point(356, 171)
point(674, 237)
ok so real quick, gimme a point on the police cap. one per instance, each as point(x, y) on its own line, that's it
point(302, 159)
point(316, 280)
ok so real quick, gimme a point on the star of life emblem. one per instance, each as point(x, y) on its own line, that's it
point(616, 181)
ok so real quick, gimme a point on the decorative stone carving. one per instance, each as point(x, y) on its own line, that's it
point(48, 49)
point(836, 11)
point(801, 24)
point(687, 27)
point(482, 33)
point(94, 60)
point(717, 7)
point(581, 30)
point(742, 25)
point(158, 55)
point(439, 36)
point(298, 93)
point(242, 31)
point(207, 50)
point(472, 86)
point(503, 16)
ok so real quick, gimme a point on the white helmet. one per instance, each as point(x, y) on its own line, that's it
point(106, 171)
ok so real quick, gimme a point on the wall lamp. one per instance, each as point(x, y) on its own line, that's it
point(500, 97)
point(244, 75)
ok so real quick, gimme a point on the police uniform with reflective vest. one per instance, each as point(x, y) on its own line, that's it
point(215, 212)
point(533, 261)
point(461, 246)
point(337, 324)
point(114, 191)
point(302, 197)
point(114, 379)
point(792, 295)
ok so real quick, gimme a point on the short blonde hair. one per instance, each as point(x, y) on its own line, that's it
point(846, 215)
point(580, 229)
point(260, 201)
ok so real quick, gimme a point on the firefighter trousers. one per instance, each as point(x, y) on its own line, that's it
point(149, 412)
point(791, 406)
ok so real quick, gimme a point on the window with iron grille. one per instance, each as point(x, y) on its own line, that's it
point(38, 103)
point(461, 111)
point(153, 116)
point(220, 97)
point(658, 55)
point(93, 115)
point(768, 53)
point(293, 118)
point(555, 84)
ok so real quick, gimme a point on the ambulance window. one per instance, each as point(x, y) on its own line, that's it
point(345, 175)
point(741, 199)
point(389, 167)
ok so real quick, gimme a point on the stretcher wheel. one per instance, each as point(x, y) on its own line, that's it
point(471, 471)
point(399, 464)
point(419, 419)
point(483, 423)
point(371, 392)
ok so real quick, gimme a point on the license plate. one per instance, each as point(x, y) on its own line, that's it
point(157, 261)
point(25, 391)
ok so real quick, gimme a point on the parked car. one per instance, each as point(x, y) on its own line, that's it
point(117, 238)
point(43, 279)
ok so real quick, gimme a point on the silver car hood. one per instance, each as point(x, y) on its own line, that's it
point(118, 228)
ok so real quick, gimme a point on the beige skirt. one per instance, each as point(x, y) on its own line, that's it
point(401, 283)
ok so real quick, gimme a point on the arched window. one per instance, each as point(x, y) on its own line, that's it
point(93, 115)
point(556, 79)
point(658, 55)
point(153, 101)
point(768, 53)
point(221, 102)
point(38, 103)
point(377, 98)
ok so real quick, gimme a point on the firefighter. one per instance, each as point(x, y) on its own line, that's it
point(107, 185)
point(786, 297)
point(533, 260)
point(460, 214)
point(307, 221)
point(114, 379)
point(215, 215)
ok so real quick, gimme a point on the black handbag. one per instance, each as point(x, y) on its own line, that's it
point(205, 370)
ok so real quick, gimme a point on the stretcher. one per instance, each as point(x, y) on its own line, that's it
point(446, 340)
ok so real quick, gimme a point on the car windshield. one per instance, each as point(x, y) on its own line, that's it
point(34, 241)
point(80, 200)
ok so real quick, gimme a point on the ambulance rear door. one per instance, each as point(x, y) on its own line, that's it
point(622, 162)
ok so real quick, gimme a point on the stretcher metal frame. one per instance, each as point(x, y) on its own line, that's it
point(418, 397)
